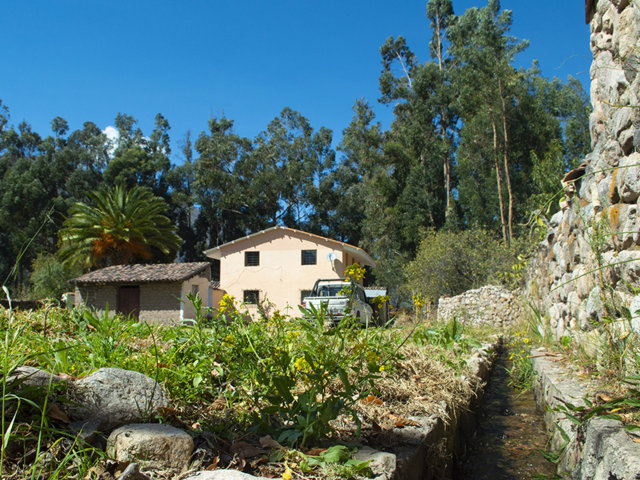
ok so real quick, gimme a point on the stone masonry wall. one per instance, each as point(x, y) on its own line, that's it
point(489, 305)
point(598, 225)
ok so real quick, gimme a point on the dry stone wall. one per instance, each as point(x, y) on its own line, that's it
point(489, 305)
point(590, 257)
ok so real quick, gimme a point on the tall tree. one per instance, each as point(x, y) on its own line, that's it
point(228, 209)
point(483, 52)
point(287, 161)
point(138, 160)
point(340, 199)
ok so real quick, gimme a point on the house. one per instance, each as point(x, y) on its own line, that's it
point(279, 266)
point(152, 293)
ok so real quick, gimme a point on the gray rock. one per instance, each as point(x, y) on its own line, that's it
point(626, 140)
point(221, 475)
point(628, 178)
point(555, 219)
point(612, 153)
point(627, 266)
point(620, 4)
point(382, 464)
point(608, 452)
point(594, 306)
point(115, 397)
point(608, 20)
point(153, 445)
point(486, 305)
point(634, 309)
point(34, 377)
point(630, 231)
point(627, 36)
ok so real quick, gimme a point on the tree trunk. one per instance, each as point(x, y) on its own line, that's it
point(426, 189)
point(498, 177)
point(443, 131)
point(506, 161)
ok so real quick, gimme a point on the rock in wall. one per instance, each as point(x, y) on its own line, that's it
point(589, 263)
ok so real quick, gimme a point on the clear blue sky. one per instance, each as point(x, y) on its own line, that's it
point(191, 60)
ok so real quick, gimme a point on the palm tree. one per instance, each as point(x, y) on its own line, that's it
point(119, 227)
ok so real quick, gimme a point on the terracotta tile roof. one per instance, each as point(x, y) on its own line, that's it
point(163, 272)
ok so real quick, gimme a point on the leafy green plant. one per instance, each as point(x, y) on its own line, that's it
point(336, 461)
point(450, 336)
point(319, 377)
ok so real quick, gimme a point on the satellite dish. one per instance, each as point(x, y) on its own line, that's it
point(331, 256)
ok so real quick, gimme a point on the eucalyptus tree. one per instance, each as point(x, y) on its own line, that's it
point(482, 52)
point(287, 161)
point(342, 194)
point(223, 186)
point(138, 160)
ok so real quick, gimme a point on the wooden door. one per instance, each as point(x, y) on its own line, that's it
point(129, 301)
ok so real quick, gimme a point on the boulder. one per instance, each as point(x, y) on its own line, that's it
point(114, 397)
point(153, 445)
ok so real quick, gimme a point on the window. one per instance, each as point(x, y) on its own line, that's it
point(251, 259)
point(309, 257)
point(195, 290)
point(304, 294)
point(251, 296)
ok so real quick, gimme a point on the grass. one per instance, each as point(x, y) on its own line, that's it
point(290, 378)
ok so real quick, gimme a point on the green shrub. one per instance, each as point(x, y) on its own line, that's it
point(449, 263)
point(49, 277)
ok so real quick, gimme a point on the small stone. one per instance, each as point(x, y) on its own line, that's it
point(221, 475)
point(154, 445)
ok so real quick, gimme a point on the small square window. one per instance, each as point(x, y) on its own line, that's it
point(309, 257)
point(251, 259)
point(251, 296)
point(195, 290)
point(304, 294)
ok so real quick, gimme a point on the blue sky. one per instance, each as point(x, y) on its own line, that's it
point(246, 59)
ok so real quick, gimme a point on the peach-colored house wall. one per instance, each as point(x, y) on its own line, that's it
point(280, 278)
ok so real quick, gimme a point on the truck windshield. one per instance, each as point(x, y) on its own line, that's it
point(330, 290)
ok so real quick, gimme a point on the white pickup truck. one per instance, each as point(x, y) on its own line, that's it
point(340, 296)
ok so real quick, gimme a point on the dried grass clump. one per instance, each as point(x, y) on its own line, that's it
point(422, 384)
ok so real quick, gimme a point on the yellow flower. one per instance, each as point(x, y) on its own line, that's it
point(227, 303)
point(418, 301)
point(372, 356)
point(354, 272)
point(301, 365)
point(288, 473)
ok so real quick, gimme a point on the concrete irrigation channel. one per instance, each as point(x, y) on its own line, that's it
point(500, 434)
